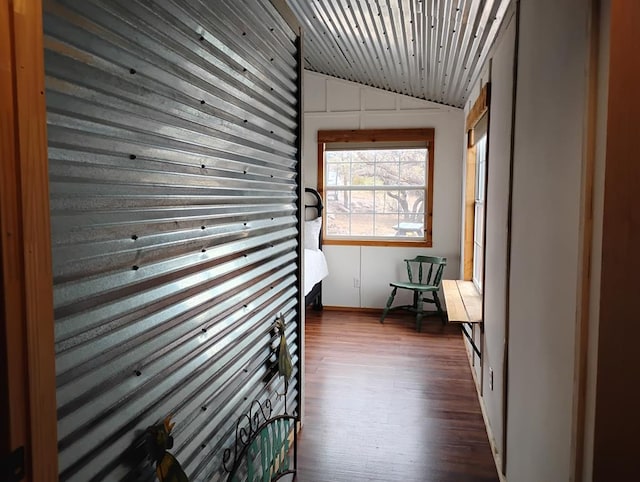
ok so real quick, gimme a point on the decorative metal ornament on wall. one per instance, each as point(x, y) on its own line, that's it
point(429, 49)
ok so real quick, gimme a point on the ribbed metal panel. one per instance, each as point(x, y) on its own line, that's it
point(173, 158)
point(430, 49)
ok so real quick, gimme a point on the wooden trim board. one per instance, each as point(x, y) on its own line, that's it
point(377, 135)
point(615, 450)
point(25, 245)
point(480, 106)
point(469, 212)
point(463, 302)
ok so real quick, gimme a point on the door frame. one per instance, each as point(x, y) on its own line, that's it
point(26, 317)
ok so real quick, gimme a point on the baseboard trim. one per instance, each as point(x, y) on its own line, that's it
point(356, 309)
point(492, 441)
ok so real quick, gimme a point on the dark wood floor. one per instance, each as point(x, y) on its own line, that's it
point(385, 403)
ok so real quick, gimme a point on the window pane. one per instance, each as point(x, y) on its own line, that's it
point(478, 263)
point(478, 232)
point(385, 203)
point(387, 173)
point(413, 174)
point(362, 202)
point(337, 201)
point(362, 173)
point(410, 204)
point(335, 175)
point(362, 225)
point(337, 168)
point(384, 224)
point(481, 157)
point(338, 224)
point(414, 164)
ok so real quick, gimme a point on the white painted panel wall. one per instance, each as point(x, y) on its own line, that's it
point(341, 96)
point(476, 330)
point(353, 106)
point(378, 100)
point(409, 103)
point(497, 208)
point(491, 341)
point(341, 286)
point(318, 101)
point(544, 265)
point(390, 261)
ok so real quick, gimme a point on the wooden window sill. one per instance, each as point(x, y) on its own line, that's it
point(463, 302)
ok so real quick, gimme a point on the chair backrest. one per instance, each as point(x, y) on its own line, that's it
point(434, 265)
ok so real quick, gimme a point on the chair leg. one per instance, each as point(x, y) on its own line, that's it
point(418, 322)
point(439, 307)
point(389, 303)
point(416, 300)
point(418, 306)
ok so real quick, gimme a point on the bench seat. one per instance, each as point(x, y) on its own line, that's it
point(463, 302)
point(464, 305)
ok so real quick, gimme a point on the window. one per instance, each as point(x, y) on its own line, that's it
point(478, 219)
point(377, 186)
point(477, 126)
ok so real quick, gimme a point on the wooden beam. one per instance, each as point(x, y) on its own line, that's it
point(320, 185)
point(10, 243)
point(469, 213)
point(27, 297)
point(617, 422)
point(428, 222)
point(377, 135)
point(480, 106)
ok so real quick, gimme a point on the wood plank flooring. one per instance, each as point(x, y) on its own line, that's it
point(385, 403)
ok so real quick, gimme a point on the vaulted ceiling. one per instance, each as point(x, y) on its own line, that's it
point(429, 49)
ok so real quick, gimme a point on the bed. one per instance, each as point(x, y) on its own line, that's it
point(315, 263)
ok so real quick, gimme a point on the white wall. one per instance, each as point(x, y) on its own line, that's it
point(550, 108)
point(496, 213)
point(331, 103)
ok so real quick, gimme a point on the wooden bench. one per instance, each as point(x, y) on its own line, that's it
point(464, 305)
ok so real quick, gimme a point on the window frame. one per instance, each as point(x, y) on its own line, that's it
point(479, 205)
point(372, 136)
point(477, 112)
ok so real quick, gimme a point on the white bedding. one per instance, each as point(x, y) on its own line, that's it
point(315, 268)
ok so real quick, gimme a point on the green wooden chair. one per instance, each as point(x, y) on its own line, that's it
point(429, 275)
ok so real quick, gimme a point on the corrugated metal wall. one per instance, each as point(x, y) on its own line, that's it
point(173, 157)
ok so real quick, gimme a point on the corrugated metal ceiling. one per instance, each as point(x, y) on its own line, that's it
point(429, 49)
